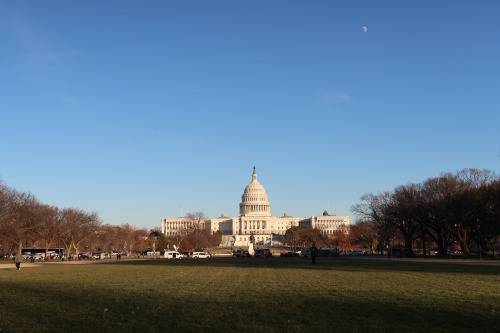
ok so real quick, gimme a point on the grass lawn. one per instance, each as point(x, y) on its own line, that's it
point(252, 294)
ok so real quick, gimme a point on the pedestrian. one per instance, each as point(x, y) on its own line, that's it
point(314, 253)
point(18, 259)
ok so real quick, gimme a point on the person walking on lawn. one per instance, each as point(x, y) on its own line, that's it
point(314, 253)
point(18, 259)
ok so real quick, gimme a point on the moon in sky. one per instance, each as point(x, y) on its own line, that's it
point(365, 28)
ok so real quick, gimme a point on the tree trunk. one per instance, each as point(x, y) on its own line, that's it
point(408, 245)
point(424, 244)
point(463, 239)
point(76, 249)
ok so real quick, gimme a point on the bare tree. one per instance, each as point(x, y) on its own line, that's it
point(78, 225)
point(343, 238)
point(197, 221)
point(366, 234)
point(304, 236)
point(402, 211)
point(433, 212)
point(132, 237)
point(139, 235)
point(49, 226)
point(21, 218)
point(198, 232)
point(490, 228)
point(373, 208)
point(6, 236)
point(467, 205)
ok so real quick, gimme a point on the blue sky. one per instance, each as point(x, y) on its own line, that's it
point(133, 108)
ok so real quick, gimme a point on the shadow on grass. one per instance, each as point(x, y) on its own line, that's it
point(343, 264)
point(258, 295)
point(42, 308)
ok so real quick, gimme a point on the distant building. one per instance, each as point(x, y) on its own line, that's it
point(255, 218)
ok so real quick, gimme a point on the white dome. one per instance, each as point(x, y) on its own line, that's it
point(254, 199)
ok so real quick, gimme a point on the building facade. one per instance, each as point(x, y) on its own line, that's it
point(255, 219)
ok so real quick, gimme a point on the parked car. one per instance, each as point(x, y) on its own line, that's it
point(328, 252)
point(355, 253)
point(266, 253)
point(289, 254)
point(241, 253)
point(201, 255)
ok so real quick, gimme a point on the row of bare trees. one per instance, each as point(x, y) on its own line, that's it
point(305, 236)
point(25, 222)
point(119, 239)
point(461, 208)
point(196, 236)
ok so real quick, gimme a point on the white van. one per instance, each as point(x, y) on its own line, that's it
point(173, 255)
point(98, 256)
point(201, 255)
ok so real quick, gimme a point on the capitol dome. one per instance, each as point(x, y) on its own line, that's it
point(254, 199)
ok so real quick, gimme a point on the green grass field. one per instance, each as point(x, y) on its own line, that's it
point(252, 294)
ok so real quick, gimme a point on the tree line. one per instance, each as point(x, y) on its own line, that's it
point(25, 222)
point(453, 211)
point(304, 236)
point(450, 211)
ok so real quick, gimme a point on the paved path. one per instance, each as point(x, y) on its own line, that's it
point(476, 262)
point(78, 262)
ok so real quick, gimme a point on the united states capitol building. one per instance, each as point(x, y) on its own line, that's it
point(255, 219)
